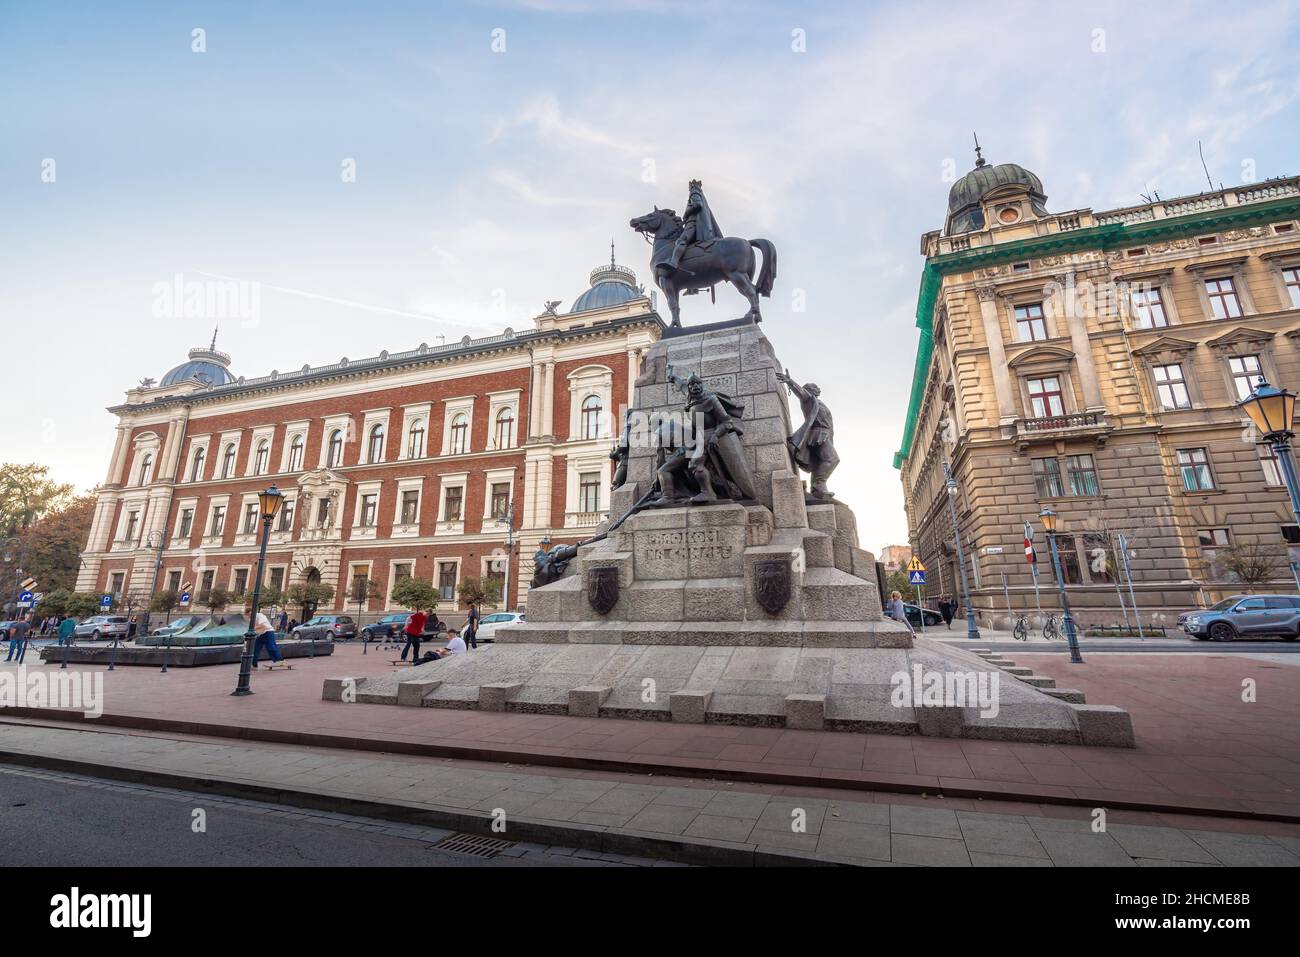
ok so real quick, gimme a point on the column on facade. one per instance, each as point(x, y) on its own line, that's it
point(171, 455)
point(548, 399)
point(535, 401)
point(1007, 408)
point(1066, 309)
point(117, 464)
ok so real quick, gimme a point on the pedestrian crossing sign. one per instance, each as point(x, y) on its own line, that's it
point(916, 577)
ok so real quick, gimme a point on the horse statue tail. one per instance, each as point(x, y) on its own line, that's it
point(766, 276)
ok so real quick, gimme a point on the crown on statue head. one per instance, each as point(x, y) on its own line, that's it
point(695, 184)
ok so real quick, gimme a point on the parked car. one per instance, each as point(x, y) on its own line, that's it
point(932, 618)
point(102, 626)
point(176, 626)
point(390, 626)
point(1245, 616)
point(488, 624)
point(327, 626)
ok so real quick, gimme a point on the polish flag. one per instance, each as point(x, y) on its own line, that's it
point(1030, 555)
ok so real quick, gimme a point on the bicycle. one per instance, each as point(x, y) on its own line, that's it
point(1021, 630)
point(1050, 629)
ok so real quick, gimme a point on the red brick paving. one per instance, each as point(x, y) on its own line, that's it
point(1200, 748)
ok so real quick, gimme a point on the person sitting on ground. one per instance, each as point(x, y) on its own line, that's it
point(895, 609)
point(456, 646)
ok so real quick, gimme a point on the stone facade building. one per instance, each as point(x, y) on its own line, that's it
point(1092, 362)
point(416, 463)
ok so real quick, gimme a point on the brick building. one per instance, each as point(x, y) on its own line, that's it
point(409, 463)
point(1092, 362)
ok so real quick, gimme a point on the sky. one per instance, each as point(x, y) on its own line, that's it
point(390, 173)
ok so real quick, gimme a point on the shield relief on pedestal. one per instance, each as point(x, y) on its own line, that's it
point(602, 588)
point(772, 584)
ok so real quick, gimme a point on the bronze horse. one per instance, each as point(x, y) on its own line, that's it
point(708, 263)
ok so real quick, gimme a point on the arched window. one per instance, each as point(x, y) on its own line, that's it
point(196, 472)
point(415, 441)
point(375, 448)
point(459, 434)
point(146, 468)
point(590, 426)
point(335, 458)
point(262, 458)
point(295, 454)
point(228, 461)
point(505, 428)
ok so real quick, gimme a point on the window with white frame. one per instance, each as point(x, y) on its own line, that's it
point(589, 491)
point(217, 524)
point(132, 526)
point(589, 425)
point(185, 523)
point(453, 503)
point(296, 448)
point(250, 518)
point(375, 444)
point(146, 468)
point(1045, 397)
point(368, 509)
point(334, 458)
point(262, 457)
point(1246, 372)
point(228, 454)
point(410, 506)
point(1171, 387)
point(447, 580)
point(500, 500)
point(1194, 467)
point(457, 425)
point(415, 440)
point(459, 441)
point(503, 436)
point(1269, 463)
point(1291, 279)
point(239, 581)
point(196, 468)
point(287, 508)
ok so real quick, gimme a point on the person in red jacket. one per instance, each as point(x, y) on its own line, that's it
point(413, 630)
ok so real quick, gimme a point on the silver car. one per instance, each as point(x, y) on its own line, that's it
point(1245, 616)
point(102, 626)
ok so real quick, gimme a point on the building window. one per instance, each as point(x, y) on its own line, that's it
point(1148, 308)
point(1222, 294)
point(368, 503)
point(451, 508)
point(1171, 388)
point(209, 577)
point(1269, 463)
point(505, 429)
point(286, 516)
point(240, 583)
point(446, 581)
point(1045, 397)
point(174, 581)
point(375, 448)
point(1195, 468)
point(1291, 534)
point(250, 518)
point(323, 513)
point(589, 492)
point(218, 520)
point(146, 469)
point(400, 571)
point(459, 434)
point(1082, 474)
point(589, 428)
point(1030, 326)
point(262, 458)
point(335, 458)
point(1246, 373)
point(187, 522)
point(410, 506)
point(1291, 276)
point(228, 461)
point(277, 578)
point(1047, 478)
point(132, 523)
point(118, 580)
point(1210, 541)
point(500, 500)
point(415, 441)
point(1069, 556)
point(295, 454)
point(196, 473)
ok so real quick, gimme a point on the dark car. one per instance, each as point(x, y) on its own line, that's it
point(327, 626)
point(1245, 616)
point(390, 626)
point(932, 618)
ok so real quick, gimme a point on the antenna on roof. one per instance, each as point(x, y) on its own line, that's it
point(1203, 166)
point(215, 330)
point(979, 156)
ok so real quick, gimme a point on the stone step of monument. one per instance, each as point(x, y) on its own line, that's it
point(1039, 681)
point(1072, 695)
point(774, 633)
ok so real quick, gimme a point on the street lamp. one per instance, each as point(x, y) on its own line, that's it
point(1050, 520)
point(1273, 411)
point(972, 630)
point(269, 502)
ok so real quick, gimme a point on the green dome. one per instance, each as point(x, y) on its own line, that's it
point(964, 210)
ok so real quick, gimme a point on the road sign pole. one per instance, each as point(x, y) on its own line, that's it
point(1128, 573)
point(920, 609)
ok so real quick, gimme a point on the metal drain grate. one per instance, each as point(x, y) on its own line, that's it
point(473, 844)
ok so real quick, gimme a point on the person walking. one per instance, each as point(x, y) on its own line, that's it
point(946, 609)
point(414, 631)
point(15, 643)
point(18, 634)
point(265, 639)
point(283, 623)
point(471, 627)
point(67, 628)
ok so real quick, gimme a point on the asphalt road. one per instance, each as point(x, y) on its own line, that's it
point(62, 820)
point(1154, 646)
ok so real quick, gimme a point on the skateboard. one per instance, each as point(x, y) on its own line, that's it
point(278, 667)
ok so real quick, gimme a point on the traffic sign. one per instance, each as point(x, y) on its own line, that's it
point(185, 598)
point(106, 601)
point(26, 596)
point(916, 577)
point(915, 565)
point(28, 584)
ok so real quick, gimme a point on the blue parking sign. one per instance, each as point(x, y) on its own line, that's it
point(916, 578)
point(106, 601)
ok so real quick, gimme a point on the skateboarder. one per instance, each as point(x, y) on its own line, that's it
point(265, 639)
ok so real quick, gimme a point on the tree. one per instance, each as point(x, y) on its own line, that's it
point(50, 549)
point(416, 594)
point(164, 601)
point(308, 596)
point(1249, 563)
point(479, 591)
point(270, 597)
point(897, 582)
point(55, 603)
point(27, 493)
point(214, 599)
point(82, 604)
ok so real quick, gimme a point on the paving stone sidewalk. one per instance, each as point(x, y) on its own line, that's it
point(706, 824)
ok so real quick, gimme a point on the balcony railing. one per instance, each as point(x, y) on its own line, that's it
point(584, 519)
point(1054, 423)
